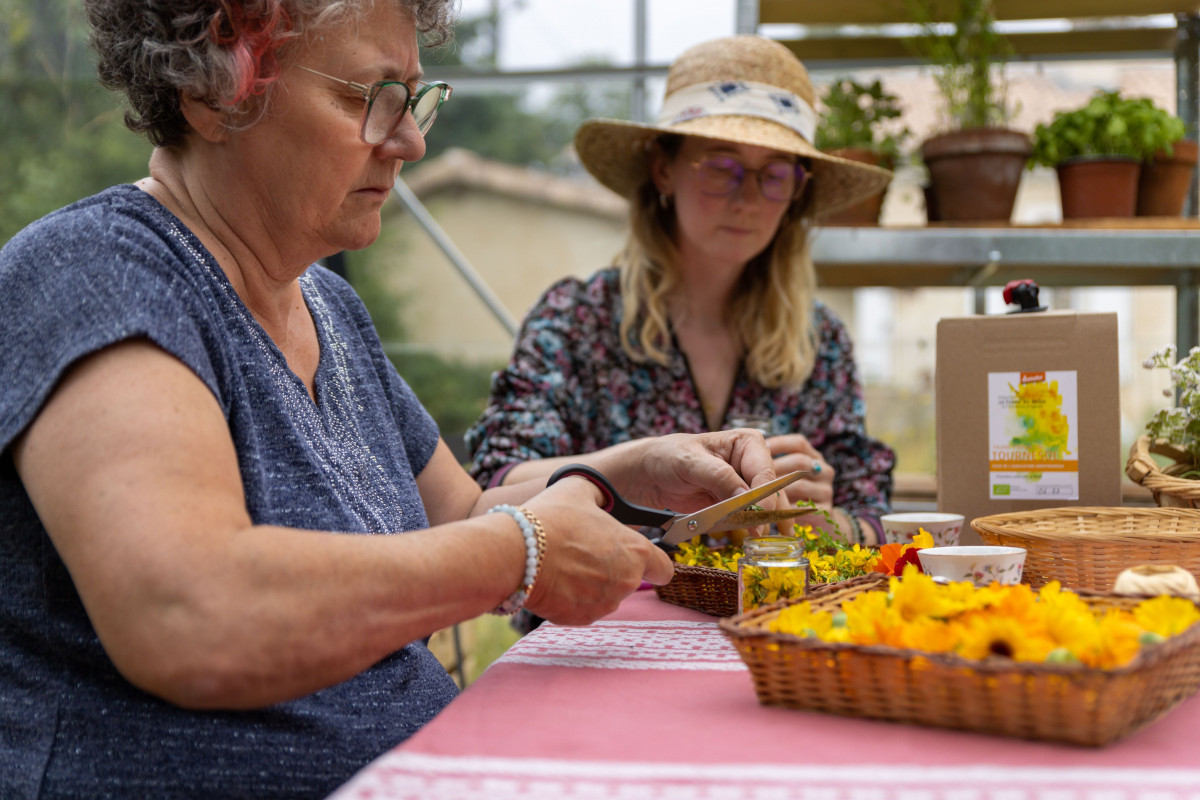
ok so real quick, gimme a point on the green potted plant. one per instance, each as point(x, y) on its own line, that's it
point(975, 166)
point(1098, 151)
point(858, 123)
point(1167, 174)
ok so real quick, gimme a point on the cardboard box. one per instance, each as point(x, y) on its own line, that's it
point(1028, 413)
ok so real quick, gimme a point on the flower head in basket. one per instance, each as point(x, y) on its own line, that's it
point(894, 557)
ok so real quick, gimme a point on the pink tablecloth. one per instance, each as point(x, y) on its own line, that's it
point(653, 702)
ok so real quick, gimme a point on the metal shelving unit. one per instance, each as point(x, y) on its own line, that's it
point(979, 257)
point(862, 33)
point(848, 34)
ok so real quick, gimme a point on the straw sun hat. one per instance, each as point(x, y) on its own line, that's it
point(746, 89)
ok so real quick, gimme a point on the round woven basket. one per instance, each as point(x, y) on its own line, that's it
point(1087, 547)
point(1170, 491)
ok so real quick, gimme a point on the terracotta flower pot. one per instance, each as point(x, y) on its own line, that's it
point(974, 173)
point(864, 212)
point(1164, 183)
point(932, 214)
point(1099, 186)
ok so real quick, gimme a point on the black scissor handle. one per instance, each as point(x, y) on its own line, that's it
point(621, 510)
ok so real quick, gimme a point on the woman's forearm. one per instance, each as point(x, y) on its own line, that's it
point(132, 470)
point(271, 614)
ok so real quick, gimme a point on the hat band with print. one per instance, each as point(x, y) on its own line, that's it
point(743, 99)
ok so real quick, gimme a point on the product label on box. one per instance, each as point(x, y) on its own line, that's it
point(1033, 420)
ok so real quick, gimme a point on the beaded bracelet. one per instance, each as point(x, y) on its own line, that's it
point(535, 552)
point(856, 530)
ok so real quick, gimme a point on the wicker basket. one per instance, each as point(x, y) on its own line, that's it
point(705, 589)
point(1053, 702)
point(1087, 547)
point(1170, 491)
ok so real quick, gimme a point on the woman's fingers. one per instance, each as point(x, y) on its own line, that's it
point(795, 452)
point(592, 562)
point(688, 472)
point(660, 569)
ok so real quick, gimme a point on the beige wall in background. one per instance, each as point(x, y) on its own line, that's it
point(521, 232)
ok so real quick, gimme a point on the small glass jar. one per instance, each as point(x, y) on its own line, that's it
point(759, 422)
point(771, 568)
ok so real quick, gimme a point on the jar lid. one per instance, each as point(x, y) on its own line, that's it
point(772, 546)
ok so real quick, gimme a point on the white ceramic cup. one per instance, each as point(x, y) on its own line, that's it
point(977, 564)
point(901, 528)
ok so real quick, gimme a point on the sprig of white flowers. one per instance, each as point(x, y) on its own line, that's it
point(1179, 425)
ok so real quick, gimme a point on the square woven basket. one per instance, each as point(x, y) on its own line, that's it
point(1086, 547)
point(1052, 702)
point(704, 589)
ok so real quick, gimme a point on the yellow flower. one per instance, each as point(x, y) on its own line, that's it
point(1166, 615)
point(866, 615)
point(992, 635)
point(783, 583)
point(961, 596)
point(1117, 642)
point(1068, 621)
point(1017, 602)
point(842, 564)
point(761, 586)
point(923, 539)
point(931, 636)
point(694, 553)
point(800, 620)
point(916, 594)
point(838, 635)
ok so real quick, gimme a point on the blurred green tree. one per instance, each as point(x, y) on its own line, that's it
point(64, 135)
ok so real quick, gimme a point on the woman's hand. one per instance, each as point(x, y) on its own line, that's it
point(793, 451)
point(686, 472)
point(592, 562)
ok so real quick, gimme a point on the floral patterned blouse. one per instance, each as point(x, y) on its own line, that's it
point(570, 388)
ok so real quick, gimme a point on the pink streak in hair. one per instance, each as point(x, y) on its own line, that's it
point(253, 41)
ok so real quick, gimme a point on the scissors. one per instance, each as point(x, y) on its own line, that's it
point(671, 528)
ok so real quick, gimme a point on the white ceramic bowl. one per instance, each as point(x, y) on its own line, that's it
point(979, 564)
point(901, 528)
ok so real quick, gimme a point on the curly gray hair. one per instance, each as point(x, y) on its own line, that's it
point(224, 52)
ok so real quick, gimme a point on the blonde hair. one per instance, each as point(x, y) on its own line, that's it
point(772, 301)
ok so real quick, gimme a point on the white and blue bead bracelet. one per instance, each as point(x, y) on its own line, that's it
point(535, 552)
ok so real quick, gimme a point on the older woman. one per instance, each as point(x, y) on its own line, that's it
point(192, 417)
point(710, 314)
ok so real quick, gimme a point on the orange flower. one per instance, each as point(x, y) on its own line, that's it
point(893, 557)
point(889, 554)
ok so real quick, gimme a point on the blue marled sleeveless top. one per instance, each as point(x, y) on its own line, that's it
point(116, 266)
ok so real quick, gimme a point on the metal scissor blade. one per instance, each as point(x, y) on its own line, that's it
point(706, 519)
point(750, 518)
